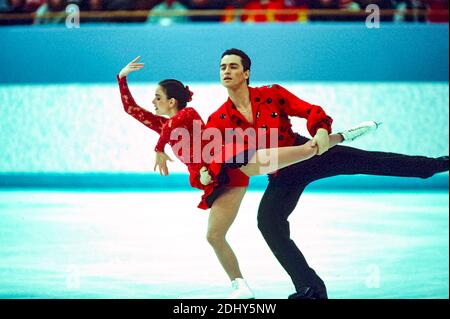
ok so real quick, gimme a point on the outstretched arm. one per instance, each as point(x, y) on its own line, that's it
point(147, 118)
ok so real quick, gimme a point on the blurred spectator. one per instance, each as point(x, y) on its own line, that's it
point(3, 6)
point(437, 11)
point(409, 10)
point(146, 5)
point(79, 3)
point(121, 5)
point(230, 8)
point(205, 5)
point(167, 6)
point(351, 11)
point(300, 5)
point(303, 6)
point(272, 6)
point(16, 7)
point(383, 5)
point(93, 6)
point(57, 10)
point(348, 10)
point(355, 9)
point(262, 5)
point(33, 5)
point(323, 5)
point(349, 5)
point(96, 5)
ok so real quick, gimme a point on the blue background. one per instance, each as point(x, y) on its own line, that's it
point(281, 52)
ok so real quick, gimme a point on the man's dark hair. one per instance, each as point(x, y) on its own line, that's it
point(246, 62)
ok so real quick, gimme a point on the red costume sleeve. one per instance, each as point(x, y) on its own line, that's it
point(183, 119)
point(164, 136)
point(147, 118)
point(214, 121)
point(314, 114)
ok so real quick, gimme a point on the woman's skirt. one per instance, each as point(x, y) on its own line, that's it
point(225, 172)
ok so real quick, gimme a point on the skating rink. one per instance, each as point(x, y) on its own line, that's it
point(89, 244)
point(63, 125)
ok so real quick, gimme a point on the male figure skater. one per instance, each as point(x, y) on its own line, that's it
point(269, 107)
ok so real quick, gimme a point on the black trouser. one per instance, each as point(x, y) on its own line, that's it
point(285, 188)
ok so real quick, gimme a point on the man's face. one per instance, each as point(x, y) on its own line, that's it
point(232, 73)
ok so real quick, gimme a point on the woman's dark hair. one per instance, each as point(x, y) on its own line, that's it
point(176, 90)
point(246, 62)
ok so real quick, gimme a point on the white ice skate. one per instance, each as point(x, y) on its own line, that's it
point(360, 130)
point(241, 290)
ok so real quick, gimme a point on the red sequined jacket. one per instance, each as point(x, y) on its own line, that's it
point(271, 107)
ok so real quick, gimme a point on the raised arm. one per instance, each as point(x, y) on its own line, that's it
point(147, 118)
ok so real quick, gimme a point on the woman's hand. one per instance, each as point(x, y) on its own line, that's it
point(205, 178)
point(160, 162)
point(321, 140)
point(131, 67)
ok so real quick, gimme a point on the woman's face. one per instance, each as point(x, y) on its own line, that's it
point(162, 104)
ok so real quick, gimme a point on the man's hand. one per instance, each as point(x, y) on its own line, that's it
point(131, 67)
point(205, 178)
point(321, 140)
point(160, 162)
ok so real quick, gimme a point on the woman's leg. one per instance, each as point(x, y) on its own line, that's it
point(269, 160)
point(223, 212)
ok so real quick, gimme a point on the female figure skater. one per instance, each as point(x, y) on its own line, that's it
point(223, 187)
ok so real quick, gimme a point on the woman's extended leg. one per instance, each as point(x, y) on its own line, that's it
point(266, 161)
